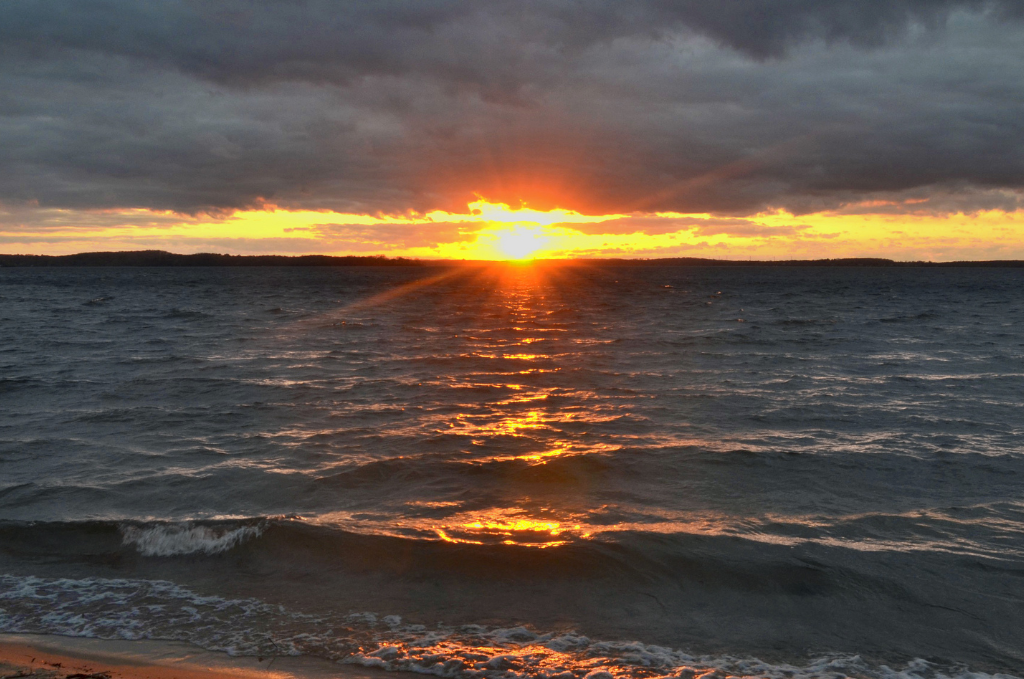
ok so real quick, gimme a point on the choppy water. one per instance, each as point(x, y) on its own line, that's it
point(522, 470)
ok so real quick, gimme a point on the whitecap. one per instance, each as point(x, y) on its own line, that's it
point(179, 539)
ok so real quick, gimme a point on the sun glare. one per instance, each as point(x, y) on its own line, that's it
point(518, 242)
point(522, 233)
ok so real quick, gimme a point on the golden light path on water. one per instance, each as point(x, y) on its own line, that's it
point(521, 291)
point(519, 351)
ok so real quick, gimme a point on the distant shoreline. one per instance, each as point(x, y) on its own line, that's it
point(160, 258)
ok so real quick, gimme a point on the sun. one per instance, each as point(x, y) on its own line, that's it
point(518, 234)
point(519, 242)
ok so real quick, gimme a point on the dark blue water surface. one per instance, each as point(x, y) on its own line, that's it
point(522, 470)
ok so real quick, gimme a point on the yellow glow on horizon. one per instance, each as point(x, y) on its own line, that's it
point(495, 231)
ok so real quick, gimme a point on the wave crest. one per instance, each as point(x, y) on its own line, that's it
point(176, 540)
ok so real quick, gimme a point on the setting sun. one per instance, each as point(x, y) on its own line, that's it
point(519, 233)
point(518, 242)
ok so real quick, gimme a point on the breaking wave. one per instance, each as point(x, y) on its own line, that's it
point(178, 539)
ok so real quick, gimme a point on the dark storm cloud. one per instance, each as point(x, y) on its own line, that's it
point(728, 106)
point(328, 40)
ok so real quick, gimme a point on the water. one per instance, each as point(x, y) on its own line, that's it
point(522, 470)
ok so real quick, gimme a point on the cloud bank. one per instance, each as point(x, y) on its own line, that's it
point(732, 107)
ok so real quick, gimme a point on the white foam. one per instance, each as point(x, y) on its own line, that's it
point(148, 609)
point(178, 539)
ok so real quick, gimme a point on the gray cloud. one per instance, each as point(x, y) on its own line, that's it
point(728, 107)
point(332, 40)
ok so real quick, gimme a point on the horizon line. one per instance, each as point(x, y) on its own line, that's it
point(156, 258)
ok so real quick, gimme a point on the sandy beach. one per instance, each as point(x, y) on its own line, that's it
point(55, 657)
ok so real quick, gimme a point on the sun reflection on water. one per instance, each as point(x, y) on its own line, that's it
point(503, 413)
point(507, 527)
point(529, 419)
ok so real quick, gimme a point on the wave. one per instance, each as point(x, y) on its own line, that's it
point(176, 540)
point(157, 609)
point(752, 555)
point(667, 588)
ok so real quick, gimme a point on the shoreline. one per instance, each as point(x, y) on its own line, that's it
point(161, 258)
point(44, 656)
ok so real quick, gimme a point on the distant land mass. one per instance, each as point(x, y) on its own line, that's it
point(162, 258)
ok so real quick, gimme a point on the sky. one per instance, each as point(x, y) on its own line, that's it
point(738, 129)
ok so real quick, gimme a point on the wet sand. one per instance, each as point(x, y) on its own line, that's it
point(55, 657)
